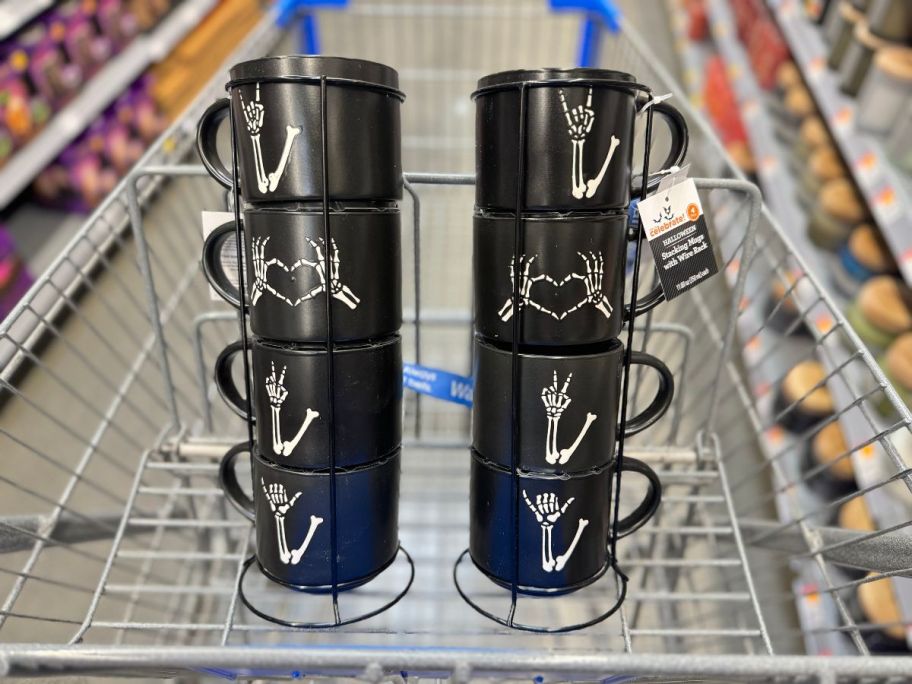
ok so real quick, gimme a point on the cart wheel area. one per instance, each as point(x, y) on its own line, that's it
point(120, 555)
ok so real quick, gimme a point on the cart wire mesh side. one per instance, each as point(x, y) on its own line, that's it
point(119, 554)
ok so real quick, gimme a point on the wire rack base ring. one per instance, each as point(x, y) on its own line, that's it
point(508, 621)
point(337, 621)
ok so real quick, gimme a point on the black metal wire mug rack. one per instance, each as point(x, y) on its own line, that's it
point(519, 213)
point(293, 73)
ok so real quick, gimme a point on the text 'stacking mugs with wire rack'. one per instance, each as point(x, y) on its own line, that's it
point(579, 143)
point(291, 401)
point(291, 510)
point(568, 407)
point(565, 523)
point(287, 280)
point(277, 107)
point(571, 279)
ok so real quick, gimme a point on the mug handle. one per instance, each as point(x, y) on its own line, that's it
point(662, 399)
point(228, 481)
point(648, 506)
point(649, 301)
point(212, 264)
point(206, 136)
point(224, 381)
point(680, 137)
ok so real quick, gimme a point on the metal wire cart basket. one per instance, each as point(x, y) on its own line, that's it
point(119, 554)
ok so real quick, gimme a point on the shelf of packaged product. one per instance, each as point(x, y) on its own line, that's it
point(769, 153)
point(14, 14)
point(690, 55)
point(96, 95)
point(767, 357)
point(887, 190)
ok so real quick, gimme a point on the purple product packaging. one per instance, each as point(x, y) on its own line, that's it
point(116, 22)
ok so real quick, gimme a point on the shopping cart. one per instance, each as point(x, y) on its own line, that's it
point(120, 555)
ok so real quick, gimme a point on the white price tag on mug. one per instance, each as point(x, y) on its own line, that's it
point(211, 221)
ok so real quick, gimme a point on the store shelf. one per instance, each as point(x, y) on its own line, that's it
point(690, 56)
point(770, 156)
point(100, 92)
point(16, 13)
point(887, 190)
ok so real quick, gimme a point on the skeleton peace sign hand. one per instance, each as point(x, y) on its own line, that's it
point(547, 507)
point(275, 387)
point(556, 400)
point(253, 113)
point(579, 118)
point(278, 499)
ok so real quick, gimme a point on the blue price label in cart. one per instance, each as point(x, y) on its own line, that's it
point(438, 383)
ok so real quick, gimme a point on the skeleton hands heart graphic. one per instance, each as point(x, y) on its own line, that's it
point(590, 274)
point(317, 265)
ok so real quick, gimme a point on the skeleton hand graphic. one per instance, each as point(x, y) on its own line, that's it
point(579, 123)
point(275, 387)
point(275, 390)
point(525, 287)
point(260, 266)
point(280, 504)
point(337, 289)
point(593, 280)
point(580, 118)
point(253, 112)
point(547, 508)
point(278, 498)
point(556, 400)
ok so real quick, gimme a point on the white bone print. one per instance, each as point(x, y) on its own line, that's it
point(547, 509)
point(254, 115)
point(280, 504)
point(593, 277)
point(526, 281)
point(275, 390)
point(338, 289)
point(580, 120)
point(556, 402)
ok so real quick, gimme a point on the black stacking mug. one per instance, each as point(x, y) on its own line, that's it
point(579, 138)
point(564, 524)
point(568, 406)
point(276, 105)
point(291, 510)
point(291, 400)
point(571, 278)
point(287, 278)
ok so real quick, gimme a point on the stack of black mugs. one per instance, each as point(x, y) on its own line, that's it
point(554, 151)
point(317, 141)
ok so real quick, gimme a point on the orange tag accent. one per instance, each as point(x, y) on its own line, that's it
point(867, 161)
point(753, 344)
point(824, 323)
point(886, 197)
point(775, 434)
point(868, 451)
point(734, 265)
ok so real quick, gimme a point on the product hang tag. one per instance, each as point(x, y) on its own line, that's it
point(438, 383)
point(228, 254)
point(677, 233)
